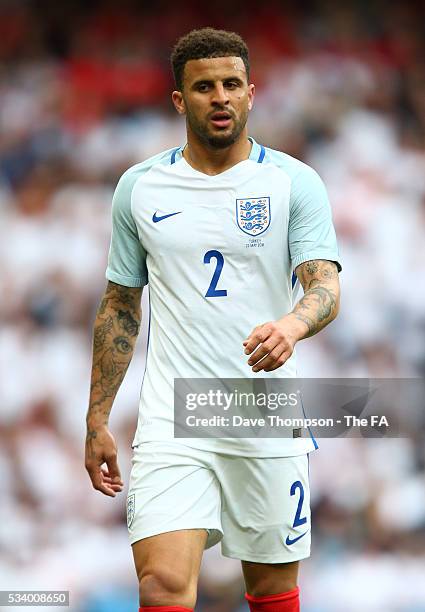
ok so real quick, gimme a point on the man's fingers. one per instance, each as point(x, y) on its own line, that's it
point(258, 335)
point(113, 469)
point(115, 486)
point(111, 485)
point(268, 346)
point(106, 490)
point(273, 361)
point(245, 342)
point(263, 350)
point(107, 477)
point(98, 483)
point(102, 481)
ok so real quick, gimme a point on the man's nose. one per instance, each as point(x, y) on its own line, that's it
point(220, 95)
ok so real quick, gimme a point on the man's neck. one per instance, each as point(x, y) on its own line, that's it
point(214, 161)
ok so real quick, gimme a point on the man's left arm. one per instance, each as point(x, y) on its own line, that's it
point(272, 343)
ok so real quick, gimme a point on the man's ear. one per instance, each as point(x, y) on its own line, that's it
point(251, 95)
point(178, 101)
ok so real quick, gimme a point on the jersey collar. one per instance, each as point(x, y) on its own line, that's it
point(257, 152)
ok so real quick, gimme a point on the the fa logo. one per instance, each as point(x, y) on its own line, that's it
point(130, 508)
point(253, 215)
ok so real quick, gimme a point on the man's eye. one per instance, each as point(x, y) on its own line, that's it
point(231, 84)
point(203, 88)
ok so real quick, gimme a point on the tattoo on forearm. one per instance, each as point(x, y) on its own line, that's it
point(116, 329)
point(316, 306)
point(123, 346)
point(128, 322)
point(125, 295)
point(319, 304)
point(100, 333)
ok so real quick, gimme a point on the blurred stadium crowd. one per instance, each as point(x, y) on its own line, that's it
point(84, 93)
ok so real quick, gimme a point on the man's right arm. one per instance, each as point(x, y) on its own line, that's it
point(115, 332)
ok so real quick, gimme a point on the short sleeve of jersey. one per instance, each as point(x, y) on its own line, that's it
point(311, 231)
point(127, 257)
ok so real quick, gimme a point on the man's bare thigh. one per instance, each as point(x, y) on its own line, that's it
point(182, 548)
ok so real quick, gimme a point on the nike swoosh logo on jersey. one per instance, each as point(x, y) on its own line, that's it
point(155, 218)
point(290, 541)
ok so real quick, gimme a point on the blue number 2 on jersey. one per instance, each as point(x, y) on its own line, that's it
point(212, 291)
point(298, 520)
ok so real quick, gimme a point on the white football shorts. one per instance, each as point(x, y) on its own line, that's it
point(258, 508)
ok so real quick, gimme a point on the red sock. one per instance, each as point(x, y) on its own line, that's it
point(282, 602)
point(164, 609)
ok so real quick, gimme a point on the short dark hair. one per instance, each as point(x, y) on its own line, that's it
point(206, 43)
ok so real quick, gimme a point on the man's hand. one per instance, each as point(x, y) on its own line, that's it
point(101, 448)
point(273, 343)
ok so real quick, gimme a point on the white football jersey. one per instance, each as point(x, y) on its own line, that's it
point(218, 253)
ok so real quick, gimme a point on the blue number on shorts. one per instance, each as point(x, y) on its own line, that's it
point(298, 520)
point(212, 291)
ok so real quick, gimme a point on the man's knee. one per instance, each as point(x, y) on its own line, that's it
point(269, 585)
point(166, 586)
point(267, 579)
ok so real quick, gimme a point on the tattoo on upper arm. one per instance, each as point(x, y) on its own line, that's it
point(319, 303)
point(312, 267)
point(316, 270)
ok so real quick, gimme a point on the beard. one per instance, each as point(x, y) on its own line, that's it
point(216, 139)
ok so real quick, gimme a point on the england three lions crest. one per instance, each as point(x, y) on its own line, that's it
point(253, 215)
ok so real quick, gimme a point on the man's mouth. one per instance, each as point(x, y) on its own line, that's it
point(221, 119)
